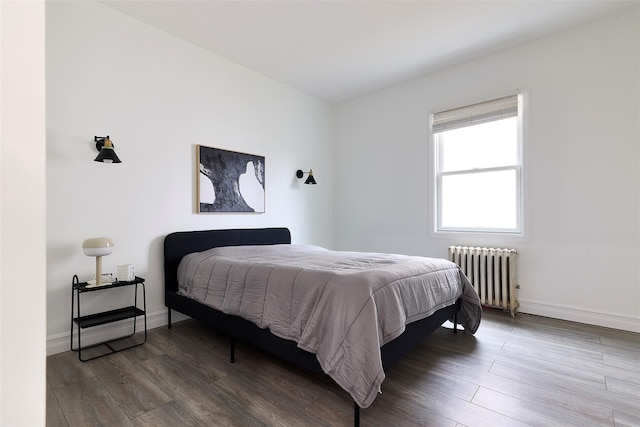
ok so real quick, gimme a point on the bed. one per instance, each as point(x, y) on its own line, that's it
point(262, 264)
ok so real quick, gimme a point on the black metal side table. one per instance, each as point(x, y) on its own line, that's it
point(101, 318)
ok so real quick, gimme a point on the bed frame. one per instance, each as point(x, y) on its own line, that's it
point(179, 244)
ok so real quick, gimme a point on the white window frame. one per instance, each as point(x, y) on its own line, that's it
point(519, 230)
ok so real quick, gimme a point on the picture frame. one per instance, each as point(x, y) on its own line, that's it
point(229, 181)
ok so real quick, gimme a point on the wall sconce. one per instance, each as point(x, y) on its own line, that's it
point(310, 179)
point(98, 247)
point(105, 147)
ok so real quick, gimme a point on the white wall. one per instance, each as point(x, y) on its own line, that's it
point(22, 214)
point(580, 258)
point(157, 97)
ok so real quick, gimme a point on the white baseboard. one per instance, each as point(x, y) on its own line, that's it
point(60, 343)
point(581, 315)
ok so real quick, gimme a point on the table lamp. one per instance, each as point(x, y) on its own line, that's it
point(98, 247)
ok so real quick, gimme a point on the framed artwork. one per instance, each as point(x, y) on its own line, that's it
point(229, 181)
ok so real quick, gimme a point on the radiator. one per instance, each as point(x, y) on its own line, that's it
point(492, 272)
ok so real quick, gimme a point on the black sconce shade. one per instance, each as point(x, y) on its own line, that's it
point(310, 178)
point(107, 154)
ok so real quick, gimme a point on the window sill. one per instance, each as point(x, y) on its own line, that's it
point(480, 238)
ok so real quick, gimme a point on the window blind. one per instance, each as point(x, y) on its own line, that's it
point(476, 114)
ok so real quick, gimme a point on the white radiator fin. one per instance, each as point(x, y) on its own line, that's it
point(492, 272)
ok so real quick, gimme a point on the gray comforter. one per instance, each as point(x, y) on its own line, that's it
point(341, 306)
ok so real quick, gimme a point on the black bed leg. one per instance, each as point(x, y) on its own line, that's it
point(169, 318)
point(356, 415)
point(232, 349)
point(455, 323)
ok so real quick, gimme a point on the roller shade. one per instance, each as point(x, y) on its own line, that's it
point(476, 114)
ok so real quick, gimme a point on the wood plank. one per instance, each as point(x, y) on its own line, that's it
point(594, 362)
point(590, 395)
point(55, 415)
point(138, 397)
point(89, 404)
point(448, 406)
point(400, 413)
point(424, 373)
point(630, 364)
point(265, 403)
point(202, 400)
point(554, 399)
point(569, 374)
point(211, 361)
point(65, 369)
point(529, 413)
point(626, 420)
point(289, 381)
point(115, 368)
point(334, 409)
point(169, 415)
point(626, 387)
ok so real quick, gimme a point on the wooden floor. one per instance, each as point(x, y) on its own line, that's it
point(524, 371)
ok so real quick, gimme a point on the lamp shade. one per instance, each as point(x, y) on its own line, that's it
point(310, 178)
point(107, 154)
point(97, 246)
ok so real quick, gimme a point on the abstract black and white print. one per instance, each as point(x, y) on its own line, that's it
point(229, 181)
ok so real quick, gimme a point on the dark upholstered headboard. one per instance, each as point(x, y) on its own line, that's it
point(179, 244)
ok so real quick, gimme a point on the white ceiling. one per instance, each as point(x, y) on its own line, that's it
point(336, 50)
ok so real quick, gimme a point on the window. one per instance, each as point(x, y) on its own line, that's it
point(479, 167)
